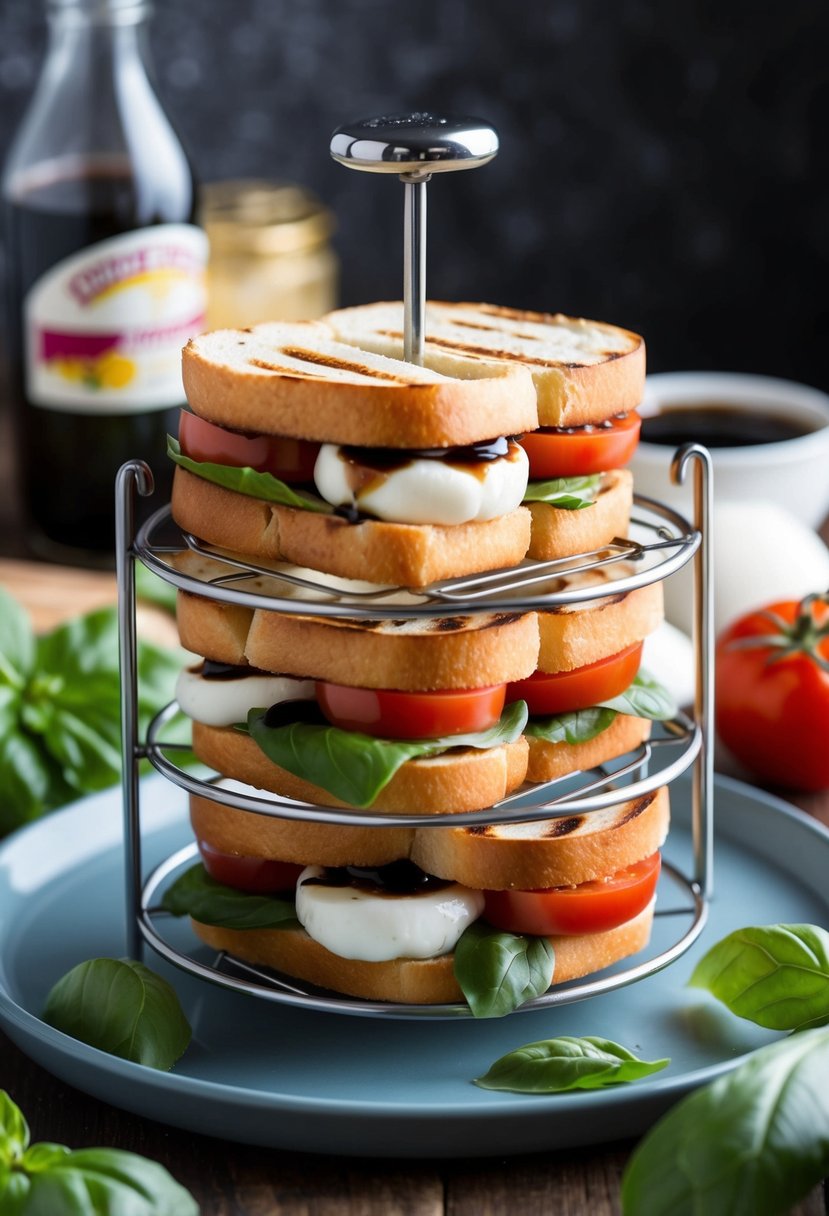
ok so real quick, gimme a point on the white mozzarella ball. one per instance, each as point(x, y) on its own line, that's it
point(428, 491)
point(376, 928)
point(225, 702)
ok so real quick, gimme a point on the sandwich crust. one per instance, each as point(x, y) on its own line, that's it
point(549, 853)
point(462, 780)
point(295, 380)
point(404, 555)
point(244, 834)
point(549, 760)
point(561, 533)
point(411, 981)
point(574, 635)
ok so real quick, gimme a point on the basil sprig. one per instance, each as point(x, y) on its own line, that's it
point(196, 894)
point(751, 1144)
point(60, 708)
point(121, 1007)
point(566, 493)
point(50, 1178)
point(774, 975)
point(498, 971)
point(645, 697)
point(247, 481)
point(552, 1066)
point(354, 767)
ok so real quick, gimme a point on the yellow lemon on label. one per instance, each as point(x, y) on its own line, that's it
point(114, 370)
point(69, 367)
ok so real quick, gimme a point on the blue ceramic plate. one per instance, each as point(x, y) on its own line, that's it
point(319, 1082)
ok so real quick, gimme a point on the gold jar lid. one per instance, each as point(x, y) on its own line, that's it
point(263, 217)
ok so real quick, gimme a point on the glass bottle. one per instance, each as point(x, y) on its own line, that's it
point(106, 276)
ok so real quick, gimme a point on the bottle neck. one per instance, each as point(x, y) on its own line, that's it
point(94, 35)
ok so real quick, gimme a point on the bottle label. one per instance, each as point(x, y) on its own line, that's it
point(105, 327)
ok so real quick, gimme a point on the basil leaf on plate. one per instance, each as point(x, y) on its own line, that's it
point(51, 1180)
point(121, 1007)
point(566, 493)
point(575, 726)
point(644, 697)
point(751, 1144)
point(774, 975)
point(247, 481)
point(196, 894)
point(499, 971)
point(555, 1065)
point(356, 767)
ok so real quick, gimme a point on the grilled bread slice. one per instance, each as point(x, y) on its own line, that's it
point(584, 371)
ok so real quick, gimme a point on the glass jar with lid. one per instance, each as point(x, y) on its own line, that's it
point(270, 257)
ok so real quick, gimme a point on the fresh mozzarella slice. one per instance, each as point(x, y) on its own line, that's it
point(225, 702)
point(376, 927)
point(428, 491)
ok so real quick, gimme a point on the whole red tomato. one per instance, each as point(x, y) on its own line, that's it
point(772, 692)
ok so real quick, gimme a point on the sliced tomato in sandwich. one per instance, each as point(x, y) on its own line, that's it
point(254, 874)
point(411, 715)
point(590, 907)
point(579, 451)
point(562, 691)
point(291, 460)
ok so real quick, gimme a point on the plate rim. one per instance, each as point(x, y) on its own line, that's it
point(661, 1088)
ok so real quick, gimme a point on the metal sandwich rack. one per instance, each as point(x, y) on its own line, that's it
point(661, 542)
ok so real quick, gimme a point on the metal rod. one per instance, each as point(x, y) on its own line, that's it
point(133, 476)
point(414, 267)
point(702, 779)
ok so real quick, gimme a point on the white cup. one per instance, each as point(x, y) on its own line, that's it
point(794, 473)
point(761, 491)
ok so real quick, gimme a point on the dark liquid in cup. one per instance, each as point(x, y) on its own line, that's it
point(720, 426)
point(44, 224)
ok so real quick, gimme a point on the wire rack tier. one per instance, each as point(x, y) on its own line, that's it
point(660, 543)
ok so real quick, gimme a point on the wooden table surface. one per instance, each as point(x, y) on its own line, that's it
point(233, 1180)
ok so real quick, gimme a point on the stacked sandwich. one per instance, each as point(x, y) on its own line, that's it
point(406, 716)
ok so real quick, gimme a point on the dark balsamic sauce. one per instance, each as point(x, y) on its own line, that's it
point(210, 670)
point(721, 426)
point(385, 460)
point(284, 713)
point(398, 878)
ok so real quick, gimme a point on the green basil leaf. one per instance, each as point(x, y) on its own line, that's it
point(14, 1191)
point(247, 481)
point(30, 779)
point(10, 708)
point(121, 1007)
point(17, 643)
point(198, 895)
point(774, 975)
point(751, 1144)
point(498, 971)
point(14, 1131)
point(645, 697)
point(554, 1065)
point(576, 726)
point(356, 767)
point(100, 1182)
point(566, 493)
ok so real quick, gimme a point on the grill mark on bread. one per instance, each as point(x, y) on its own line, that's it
point(293, 372)
point(640, 805)
point(346, 365)
point(563, 827)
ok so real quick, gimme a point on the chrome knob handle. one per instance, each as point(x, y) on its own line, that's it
point(414, 146)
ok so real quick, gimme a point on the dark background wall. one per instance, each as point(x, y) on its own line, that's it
point(663, 164)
